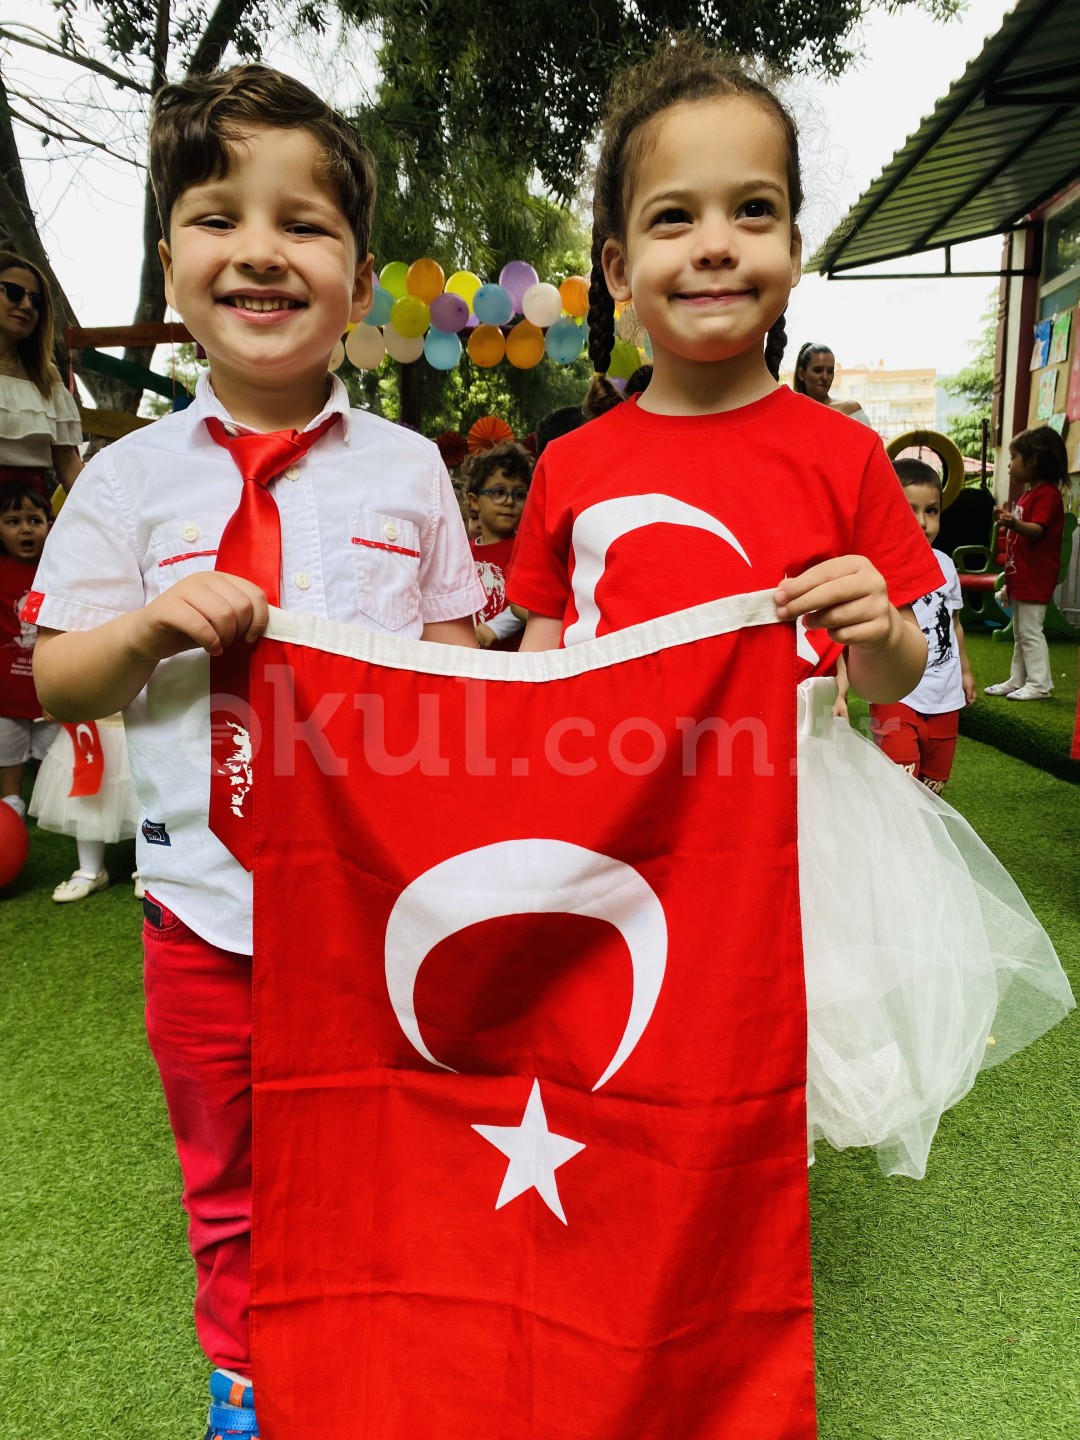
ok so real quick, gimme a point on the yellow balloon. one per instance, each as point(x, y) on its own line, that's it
point(525, 346)
point(574, 293)
point(486, 346)
point(425, 280)
point(465, 284)
point(410, 317)
point(392, 277)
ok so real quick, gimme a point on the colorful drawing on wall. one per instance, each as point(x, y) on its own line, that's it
point(1058, 422)
point(1041, 348)
point(1059, 338)
point(1047, 394)
point(1072, 405)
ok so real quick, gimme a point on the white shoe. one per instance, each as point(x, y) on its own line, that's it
point(80, 886)
point(140, 890)
point(1028, 692)
point(1005, 688)
point(17, 803)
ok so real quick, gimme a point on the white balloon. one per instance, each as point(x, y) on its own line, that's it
point(365, 346)
point(403, 348)
point(337, 356)
point(542, 305)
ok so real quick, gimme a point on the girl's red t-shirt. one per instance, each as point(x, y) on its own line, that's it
point(1031, 566)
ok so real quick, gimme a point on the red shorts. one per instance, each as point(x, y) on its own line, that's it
point(923, 744)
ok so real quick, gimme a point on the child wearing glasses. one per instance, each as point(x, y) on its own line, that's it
point(497, 485)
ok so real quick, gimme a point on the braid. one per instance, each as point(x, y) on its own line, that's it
point(775, 345)
point(601, 310)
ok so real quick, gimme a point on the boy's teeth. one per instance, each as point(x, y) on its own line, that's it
point(252, 302)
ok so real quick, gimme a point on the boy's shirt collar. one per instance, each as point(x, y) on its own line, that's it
point(207, 403)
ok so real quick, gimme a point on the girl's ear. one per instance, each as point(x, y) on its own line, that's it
point(616, 271)
point(796, 255)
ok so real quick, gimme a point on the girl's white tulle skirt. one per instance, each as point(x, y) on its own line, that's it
point(924, 963)
point(112, 814)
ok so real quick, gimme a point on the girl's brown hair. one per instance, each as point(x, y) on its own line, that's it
point(36, 350)
point(683, 68)
point(1043, 450)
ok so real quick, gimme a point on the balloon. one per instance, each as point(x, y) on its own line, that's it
point(410, 317)
point(493, 305)
point(486, 346)
point(574, 294)
point(425, 279)
point(564, 341)
point(392, 277)
point(381, 305)
point(441, 351)
point(625, 359)
point(337, 357)
point(465, 284)
point(449, 313)
point(365, 347)
point(525, 346)
point(403, 348)
point(515, 278)
point(542, 305)
point(14, 844)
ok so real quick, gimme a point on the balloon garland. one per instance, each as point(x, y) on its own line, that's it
point(418, 310)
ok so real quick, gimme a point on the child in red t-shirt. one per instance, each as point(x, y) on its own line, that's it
point(24, 524)
point(1037, 461)
point(497, 486)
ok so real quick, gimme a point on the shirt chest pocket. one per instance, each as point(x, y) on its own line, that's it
point(177, 551)
point(386, 565)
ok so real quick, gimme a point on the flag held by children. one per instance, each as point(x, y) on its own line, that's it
point(530, 1047)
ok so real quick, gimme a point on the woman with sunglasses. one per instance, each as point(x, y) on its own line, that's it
point(815, 370)
point(40, 428)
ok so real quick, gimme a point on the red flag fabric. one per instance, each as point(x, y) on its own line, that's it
point(530, 1038)
point(88, 769)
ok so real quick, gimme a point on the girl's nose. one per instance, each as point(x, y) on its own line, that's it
point(715, 242)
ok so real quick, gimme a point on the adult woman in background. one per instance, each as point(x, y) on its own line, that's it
point(815, 369)
point(39, 420)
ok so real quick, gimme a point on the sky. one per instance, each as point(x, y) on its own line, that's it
point(92, 214)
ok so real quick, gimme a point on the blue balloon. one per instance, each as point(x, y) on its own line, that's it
point(492, 305)
point(441, 351)
point(381, 305)
point(564, 341)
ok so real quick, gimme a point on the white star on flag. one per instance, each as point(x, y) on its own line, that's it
point(534, 1152)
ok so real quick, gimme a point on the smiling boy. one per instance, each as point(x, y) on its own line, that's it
point(265, 197)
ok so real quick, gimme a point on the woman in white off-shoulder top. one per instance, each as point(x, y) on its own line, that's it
point(815, 369)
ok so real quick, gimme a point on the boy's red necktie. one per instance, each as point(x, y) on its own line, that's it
point(250, 547)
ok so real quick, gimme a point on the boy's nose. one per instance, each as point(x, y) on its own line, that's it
point(259, 248)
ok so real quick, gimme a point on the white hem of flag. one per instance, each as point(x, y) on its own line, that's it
point(718, 617)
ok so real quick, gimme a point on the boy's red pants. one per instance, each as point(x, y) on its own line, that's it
point(198, 1022)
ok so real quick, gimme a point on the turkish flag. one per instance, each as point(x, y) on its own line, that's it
point(530, 1038)
point(88, 769)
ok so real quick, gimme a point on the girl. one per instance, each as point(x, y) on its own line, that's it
point(815, 370)
point(717, 480)
point(40, 427)
point(24, 734)
point(1039, 463)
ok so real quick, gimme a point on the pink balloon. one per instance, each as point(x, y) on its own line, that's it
point(449, 313)
point(515, 278)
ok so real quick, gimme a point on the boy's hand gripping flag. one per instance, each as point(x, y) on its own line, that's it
point(530, 1134)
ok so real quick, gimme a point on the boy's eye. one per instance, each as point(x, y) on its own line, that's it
point(305, 227)
point(214, 222)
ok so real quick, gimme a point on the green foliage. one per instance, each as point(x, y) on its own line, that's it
point(975, 384)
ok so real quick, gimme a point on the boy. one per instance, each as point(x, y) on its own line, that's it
point(920, 731)
point(265, 196)
point(24, 523)
point(497, 487)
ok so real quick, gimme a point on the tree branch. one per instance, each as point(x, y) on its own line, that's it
point(57, 134)
point(75, 57)
point(214, 41)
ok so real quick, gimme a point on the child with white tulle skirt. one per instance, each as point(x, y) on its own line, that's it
point(83, 789)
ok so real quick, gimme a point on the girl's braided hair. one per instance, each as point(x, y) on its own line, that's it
point(683, 68)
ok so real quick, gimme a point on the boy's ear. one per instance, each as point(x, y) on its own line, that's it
point(616, 272)
point(796, 255)
point(165, 255)
point(363, 290)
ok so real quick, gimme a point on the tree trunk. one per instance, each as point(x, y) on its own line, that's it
point(410, 389)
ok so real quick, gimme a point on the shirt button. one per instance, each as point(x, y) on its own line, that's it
point(189, 532)
point(390, 530)
point(292, 473)
point(302, 580)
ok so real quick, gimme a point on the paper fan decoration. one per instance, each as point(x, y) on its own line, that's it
point(488, 431)
point(452, 448)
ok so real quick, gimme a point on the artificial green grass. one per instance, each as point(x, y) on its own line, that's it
point(946, 1309)
point(1038, 731)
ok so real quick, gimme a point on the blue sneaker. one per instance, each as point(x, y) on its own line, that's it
point(232, 1409)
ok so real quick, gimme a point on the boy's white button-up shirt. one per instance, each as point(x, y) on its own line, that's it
point(151, 509)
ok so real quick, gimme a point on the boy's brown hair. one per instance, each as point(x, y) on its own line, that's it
point(194, 123)
point(508, 456)
point(917, 472)
point(14, 494)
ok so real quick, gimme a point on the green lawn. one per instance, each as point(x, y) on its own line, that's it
point(946, 1309)
point(1038, 731)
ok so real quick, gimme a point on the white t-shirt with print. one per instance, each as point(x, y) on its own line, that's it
point(942, 688)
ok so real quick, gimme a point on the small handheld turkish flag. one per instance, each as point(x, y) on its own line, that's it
point(88, 767)
point(530, 1042)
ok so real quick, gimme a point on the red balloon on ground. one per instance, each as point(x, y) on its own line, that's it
point(14, 844)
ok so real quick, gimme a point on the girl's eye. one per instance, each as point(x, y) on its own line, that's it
point(757, 209)
point(672, 216)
